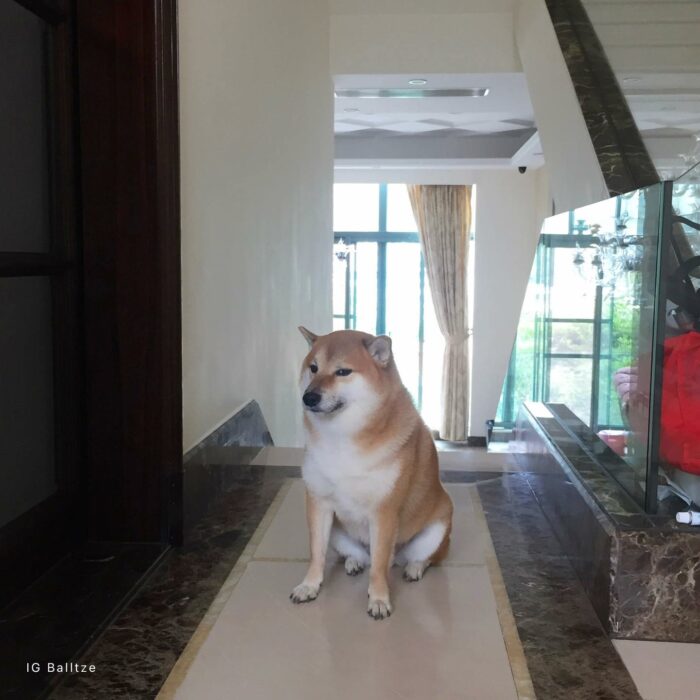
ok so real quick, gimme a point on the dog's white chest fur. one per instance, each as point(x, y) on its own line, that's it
point(354, 483)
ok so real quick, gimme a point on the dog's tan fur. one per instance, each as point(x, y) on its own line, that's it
point(376, 421)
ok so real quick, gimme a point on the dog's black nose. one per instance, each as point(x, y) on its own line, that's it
point(311, 398)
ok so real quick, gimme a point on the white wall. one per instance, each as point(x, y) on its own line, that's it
point(256, 124)
point(417, 7)
point(576, 177)
point(510, 208)
point(423, 43)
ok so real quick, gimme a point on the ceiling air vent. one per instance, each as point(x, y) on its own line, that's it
point(411, 93)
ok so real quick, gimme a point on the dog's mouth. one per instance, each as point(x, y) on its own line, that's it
point(327, 411)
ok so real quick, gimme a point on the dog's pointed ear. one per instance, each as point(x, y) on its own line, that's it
point(380, 349)
point(310, 337)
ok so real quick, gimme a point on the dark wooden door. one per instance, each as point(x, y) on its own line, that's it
point(42, 502)
point(90, 340)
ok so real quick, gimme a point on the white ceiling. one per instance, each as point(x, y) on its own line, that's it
point(663, 101)
point(666, 109)
point(505, 115)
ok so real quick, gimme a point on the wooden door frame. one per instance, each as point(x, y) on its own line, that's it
point(129, 143)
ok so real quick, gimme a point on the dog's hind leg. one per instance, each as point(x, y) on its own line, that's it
point(355, 553)
point(424, 549)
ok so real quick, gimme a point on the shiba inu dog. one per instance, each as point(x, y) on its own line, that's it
point(373, 488)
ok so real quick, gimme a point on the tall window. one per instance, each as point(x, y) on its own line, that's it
point(380, 286)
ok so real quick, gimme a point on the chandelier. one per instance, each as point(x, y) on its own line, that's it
point(609, 258)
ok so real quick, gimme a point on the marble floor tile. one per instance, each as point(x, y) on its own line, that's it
point(461, 458)
point(443, 640)
point(287, 537)
point(661, 670)
point(479, 459)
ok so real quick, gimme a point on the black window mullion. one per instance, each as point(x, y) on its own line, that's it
point(381, 288)
point(381, 262)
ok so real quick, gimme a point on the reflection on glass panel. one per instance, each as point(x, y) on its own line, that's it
point(24, 164)
point(26, 399)
point(598, 214)
point(571, 337)
point(593, 294)
point(570, 294)
point(366, 287)
point(355, 207)
point(403, 310)
point(399, 214)
point(570, 383)
point(679, 414)
point(686, 203)
point(632, 210)
point(608, 403)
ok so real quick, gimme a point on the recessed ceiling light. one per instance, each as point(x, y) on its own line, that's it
point(631, 79)
point(418, 81)
point(351, 109)
point(410, 93)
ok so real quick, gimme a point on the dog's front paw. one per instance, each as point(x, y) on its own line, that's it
point(353, 567)
point(414, 571)
point(379, 608)
point(305, 593)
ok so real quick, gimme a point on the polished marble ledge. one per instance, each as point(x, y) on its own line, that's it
point(640, 571)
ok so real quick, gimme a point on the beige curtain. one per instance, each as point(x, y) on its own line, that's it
point(443, 215)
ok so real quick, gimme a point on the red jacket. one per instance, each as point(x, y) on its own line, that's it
point(680, 403)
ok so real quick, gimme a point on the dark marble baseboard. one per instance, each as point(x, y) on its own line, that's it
point(245, 428)
point(638, 570)
point(135, 654)
point(203, 480)
point(65, 610)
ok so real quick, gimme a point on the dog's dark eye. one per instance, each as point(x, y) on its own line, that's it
point(313, 368)
point(343, 372)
